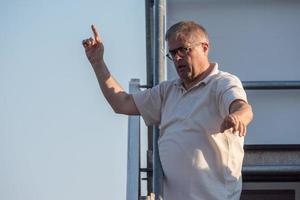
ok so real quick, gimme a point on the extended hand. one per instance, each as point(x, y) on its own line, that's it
point(234, 122)
point(94, 48)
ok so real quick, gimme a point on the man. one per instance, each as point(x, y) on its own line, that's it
point(202, 116)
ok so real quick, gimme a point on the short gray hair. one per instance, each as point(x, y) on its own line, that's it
point(188, 31)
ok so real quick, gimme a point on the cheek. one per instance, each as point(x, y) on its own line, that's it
point(190, 64)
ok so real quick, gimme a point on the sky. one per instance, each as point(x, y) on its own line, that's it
point(59, 139)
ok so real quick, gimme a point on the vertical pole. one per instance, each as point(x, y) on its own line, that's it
point(149, 52)
point(159, 42)
point(149, 40)
point(158, 76)
point(133, 152)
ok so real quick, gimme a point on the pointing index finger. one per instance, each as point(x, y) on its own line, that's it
point(96, 34)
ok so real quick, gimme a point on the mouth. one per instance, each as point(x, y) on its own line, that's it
point(181, 68)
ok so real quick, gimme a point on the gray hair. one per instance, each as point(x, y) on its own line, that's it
point(189, 31)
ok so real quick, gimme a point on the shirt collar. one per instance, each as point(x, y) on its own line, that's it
point(204, 81)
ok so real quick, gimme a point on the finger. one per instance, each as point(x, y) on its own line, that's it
point(240, 129)
point(245, 130)
point(96, 34)
point(224, 125)
point(92, 41)
point(236, 126)
point(85, 43)
point(235, 123)
point(229, 123)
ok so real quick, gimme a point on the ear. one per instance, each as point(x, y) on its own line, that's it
point(205, 47)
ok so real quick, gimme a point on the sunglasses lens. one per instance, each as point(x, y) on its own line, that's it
point(181, 51)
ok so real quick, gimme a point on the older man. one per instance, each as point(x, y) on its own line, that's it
point(202, 116)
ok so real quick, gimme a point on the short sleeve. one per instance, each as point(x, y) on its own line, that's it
point(229, 89)
point(149, 104)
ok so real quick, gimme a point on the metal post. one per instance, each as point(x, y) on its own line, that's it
point(159, 75)
point(149, 40)
point(159, 42)
point(149, 52)
point(133, 150)
point(157, 182)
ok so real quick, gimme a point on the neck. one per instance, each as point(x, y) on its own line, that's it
point(190, 83)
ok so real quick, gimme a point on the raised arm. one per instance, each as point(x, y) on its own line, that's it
point(119, 100)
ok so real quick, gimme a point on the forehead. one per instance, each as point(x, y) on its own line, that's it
point(174, 43)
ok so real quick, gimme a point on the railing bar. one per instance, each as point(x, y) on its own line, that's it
point(271, 85)
point(271, 169)
point(262, 85)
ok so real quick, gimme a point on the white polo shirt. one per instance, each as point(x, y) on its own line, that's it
point(198, 161)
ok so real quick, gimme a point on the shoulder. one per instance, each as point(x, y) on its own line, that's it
point(162, 88)
point(225, 78)
point(166, 87)
point(224, 81)
point(168, 84)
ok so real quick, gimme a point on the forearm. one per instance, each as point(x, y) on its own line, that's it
point(111, 89)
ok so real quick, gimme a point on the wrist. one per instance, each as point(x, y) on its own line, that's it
point(98, 65)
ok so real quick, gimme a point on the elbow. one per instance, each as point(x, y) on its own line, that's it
point(122, 110)
point(120, 106)
point(117, 109)
point(117, 102)
point(125, 105)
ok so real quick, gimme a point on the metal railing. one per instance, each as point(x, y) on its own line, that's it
point(271, 85)
point(271, 163)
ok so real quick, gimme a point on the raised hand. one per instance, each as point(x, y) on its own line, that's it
point(94, 48)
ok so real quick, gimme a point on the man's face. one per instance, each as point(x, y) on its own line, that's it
point(188, 58)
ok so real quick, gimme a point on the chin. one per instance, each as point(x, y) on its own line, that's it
point(185, 76)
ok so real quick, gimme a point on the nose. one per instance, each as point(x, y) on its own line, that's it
point(177, 57)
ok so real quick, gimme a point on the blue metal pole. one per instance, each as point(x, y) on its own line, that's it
point(133, 152)
point(159, 76)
